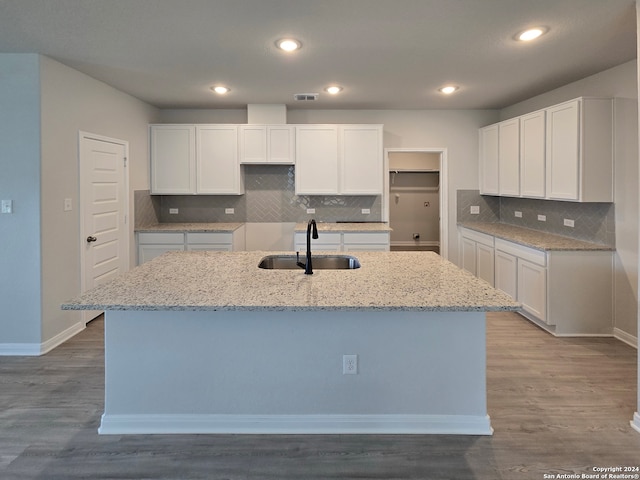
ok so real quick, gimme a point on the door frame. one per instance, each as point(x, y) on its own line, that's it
point(87, 316)
point(443, 194)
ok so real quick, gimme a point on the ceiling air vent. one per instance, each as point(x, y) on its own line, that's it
point(305, 97)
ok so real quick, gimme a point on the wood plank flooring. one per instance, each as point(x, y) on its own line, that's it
point(557, 406)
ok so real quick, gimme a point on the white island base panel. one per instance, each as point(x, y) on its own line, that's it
point(281, 372)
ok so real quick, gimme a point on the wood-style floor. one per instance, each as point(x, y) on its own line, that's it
point(557, 406)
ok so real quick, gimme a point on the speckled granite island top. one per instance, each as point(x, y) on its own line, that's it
point(346, 227)
point(190, 227)
point(399, 281)
point(532, 238)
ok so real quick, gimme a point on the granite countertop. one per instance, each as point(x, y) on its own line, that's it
point(189, 227)
point(532, 238)
point(346, 227)
point(392, 281)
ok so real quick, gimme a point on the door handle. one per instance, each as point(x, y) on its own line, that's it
point(91, 238)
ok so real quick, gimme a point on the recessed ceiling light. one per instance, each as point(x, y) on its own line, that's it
point(333, 89)
point(288, 44)
point(220, 89)
point(531, 34)
point(448, 90)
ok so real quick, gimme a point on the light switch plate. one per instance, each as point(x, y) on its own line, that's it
point(7, 206)
point(68, 205)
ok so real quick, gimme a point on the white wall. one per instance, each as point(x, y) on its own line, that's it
point(620, 83)
point(20, 182)
point(455, 130)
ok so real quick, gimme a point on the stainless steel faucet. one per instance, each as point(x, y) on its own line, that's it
point(311, 227)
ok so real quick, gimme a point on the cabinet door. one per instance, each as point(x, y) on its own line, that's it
point(316, 170)
point(253, 144)
point(149, 252)
point(218, 164)
point(509, 157)
point(532, 155)
point(281, 144)
point(173, 159)
point(506, 272)
point(532, 288)
point(361, 161)
point(485, 263)
point(468, 255)
point(563, 151)
point(489, 160)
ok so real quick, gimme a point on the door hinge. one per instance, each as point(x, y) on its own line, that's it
point(125, 161)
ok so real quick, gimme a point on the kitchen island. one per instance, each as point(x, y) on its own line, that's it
point(206, 342)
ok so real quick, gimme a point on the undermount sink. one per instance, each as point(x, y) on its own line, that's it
point(320, 262)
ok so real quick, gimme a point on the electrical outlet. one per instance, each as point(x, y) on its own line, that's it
point(366, 211)
point(311, 210)
point(7, 206)
point(173, 211)
point(568, 223)
point(475, 210)
point(229, 211)
point(518, 214)
point(349, 364)
point(542, 218)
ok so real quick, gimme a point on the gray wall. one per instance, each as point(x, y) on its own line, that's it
point(44, 105)
point(20, 286)
point(73, 102)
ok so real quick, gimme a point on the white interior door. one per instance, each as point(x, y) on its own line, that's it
point(103, 210)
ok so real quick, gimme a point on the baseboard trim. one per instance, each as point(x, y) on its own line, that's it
point(625, 337)
point(635, 423)
point(296, 424)
point(37, 349)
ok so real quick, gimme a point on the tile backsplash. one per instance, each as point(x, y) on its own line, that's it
point(593, 222)
point(269, 197)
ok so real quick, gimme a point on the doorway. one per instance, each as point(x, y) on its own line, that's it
point(415, 199)
point(104, 236)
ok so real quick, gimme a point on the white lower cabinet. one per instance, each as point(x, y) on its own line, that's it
point(477, 254)
point(153, 244)
point(521, 272)
point(566, 292)
point(345, 242)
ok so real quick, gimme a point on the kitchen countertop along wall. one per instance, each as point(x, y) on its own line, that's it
point(532, 238)
point(189, 227)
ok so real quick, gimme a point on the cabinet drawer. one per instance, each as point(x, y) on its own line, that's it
point(201, 238)
point(323, 238)
point(161, 238)
point(366, 238)
point(483, 238)
point(531, 254)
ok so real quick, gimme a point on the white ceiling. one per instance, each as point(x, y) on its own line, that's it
point(386, 53)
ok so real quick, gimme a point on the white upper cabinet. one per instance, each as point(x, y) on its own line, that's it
point(580, 150)
point(564, 152)
point(173, 159)
point(260, 144)
point(532, 155)
point(509, 157)
point(361, 160)
point(316, 160)
point(218, 168)
point(489, 160)
point(339, 160)
point(195, 159)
